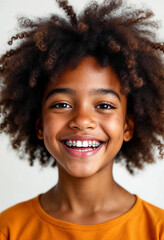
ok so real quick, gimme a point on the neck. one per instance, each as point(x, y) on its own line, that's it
point(85, 194)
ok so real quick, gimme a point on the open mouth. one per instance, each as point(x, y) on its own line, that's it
point(82, 148)
point(82, 145)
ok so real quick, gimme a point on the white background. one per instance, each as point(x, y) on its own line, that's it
point(19, 181)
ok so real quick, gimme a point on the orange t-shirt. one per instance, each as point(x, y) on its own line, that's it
point(28, 221)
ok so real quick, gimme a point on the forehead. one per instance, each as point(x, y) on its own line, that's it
point(88, 74)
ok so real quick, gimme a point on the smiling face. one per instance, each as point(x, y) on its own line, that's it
point(84, 109)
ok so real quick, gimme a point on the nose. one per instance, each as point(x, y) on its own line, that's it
point(82, 120)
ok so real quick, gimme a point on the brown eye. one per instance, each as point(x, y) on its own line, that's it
point(60, 105)
point(105, 106)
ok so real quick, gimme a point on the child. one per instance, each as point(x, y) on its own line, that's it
point(79, 93)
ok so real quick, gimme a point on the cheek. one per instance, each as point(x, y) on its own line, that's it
point(113, 127)
point(51, 123)
point(52, 126)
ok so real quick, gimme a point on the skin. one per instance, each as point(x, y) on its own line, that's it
point(86, 192)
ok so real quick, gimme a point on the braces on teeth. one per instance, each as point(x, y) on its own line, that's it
point(82, 144)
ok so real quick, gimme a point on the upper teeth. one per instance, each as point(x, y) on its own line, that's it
point(85, 143)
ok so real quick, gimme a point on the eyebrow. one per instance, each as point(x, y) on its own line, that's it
point(55, 91)
point(95, 91)
point(104, 91)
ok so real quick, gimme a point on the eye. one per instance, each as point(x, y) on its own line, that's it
point(60, 105)
point(105, 106)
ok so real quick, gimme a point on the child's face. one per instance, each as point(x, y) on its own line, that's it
point(84, 111)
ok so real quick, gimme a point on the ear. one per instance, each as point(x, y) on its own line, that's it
point(128, 128)
point(39, 128)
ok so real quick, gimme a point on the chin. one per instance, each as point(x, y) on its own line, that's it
point(81, 171)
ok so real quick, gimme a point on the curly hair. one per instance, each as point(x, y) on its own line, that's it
point(123, 37)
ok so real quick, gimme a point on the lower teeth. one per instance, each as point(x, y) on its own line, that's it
point(84, 150)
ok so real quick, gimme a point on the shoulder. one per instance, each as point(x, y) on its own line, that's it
point(152, 209)
point(16, 215)
point(152, 212)
point(16, 211)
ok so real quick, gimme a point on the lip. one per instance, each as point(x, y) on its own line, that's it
point(81, 137)
point(79, 154)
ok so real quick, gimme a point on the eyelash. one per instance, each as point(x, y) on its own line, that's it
point(108, 106)
point(55, 105)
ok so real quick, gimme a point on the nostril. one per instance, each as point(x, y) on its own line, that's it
point(82, 123)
